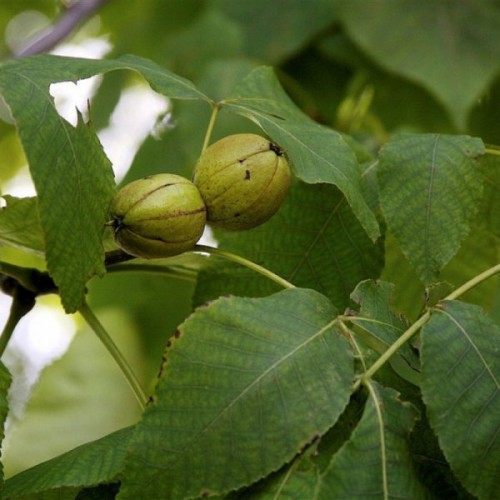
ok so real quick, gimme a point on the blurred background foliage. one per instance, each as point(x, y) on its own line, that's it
point(368, 68)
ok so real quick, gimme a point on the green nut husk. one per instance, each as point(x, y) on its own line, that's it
point(158, 216)
point(243, 180)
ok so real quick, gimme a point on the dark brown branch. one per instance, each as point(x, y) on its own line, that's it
point(73, 17)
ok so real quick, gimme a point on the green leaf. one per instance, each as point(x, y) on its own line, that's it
point(90, 464)
point(430, 190)
point(317, 154)
point(297, 483)
point(432, 467)
point(297, 480)
point(450, 48)
point(5, 380)
point(375, 314)
point(331, 442)
point(375, 462)
point(461, 388)
point(71, 173)
point(246, 383)
point(20, 225)
point(73, 180)
point(46, 69)
point(380, 327)
point(314, 241)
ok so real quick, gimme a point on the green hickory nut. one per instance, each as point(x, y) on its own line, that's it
point(158, 216)
point(243, 179)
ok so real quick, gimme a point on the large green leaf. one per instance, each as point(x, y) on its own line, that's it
point(71, 173)
point(300, 478)
point(461, 388)
point(19, 224)
point(74, 183)
point(376, 462)
point(451, 48)
point(430, 190)
point(317, 154)
point(46, 69)
point(90, 464)
point(246, 383)
point(5, 380)
point(314, 241)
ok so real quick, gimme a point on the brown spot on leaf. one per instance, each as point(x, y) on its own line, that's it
point(247, 175)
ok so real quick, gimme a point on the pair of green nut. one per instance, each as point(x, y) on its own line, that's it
point(239, 183)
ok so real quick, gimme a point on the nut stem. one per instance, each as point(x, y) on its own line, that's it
point(210, 128)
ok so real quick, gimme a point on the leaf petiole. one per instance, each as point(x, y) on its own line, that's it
point(171, 272)
point(473, 282)
point(116, 354)
point(244, 262)
point(493, 152)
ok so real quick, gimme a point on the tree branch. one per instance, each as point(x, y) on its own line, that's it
point(49, 38)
